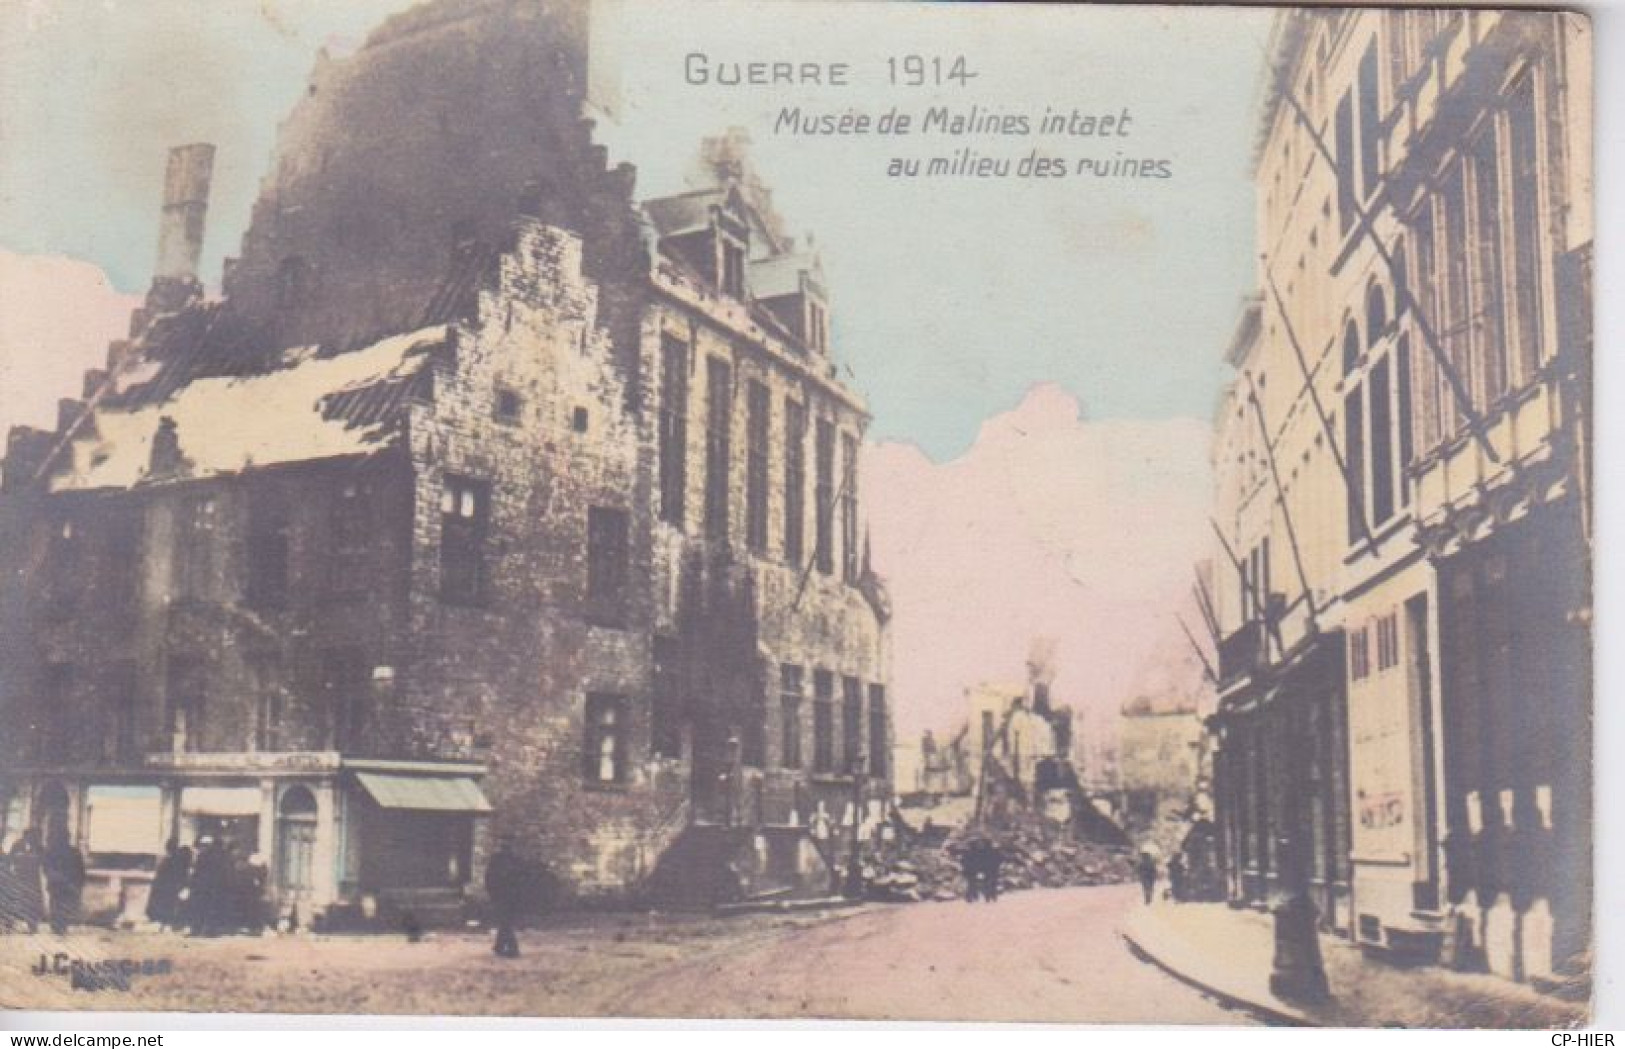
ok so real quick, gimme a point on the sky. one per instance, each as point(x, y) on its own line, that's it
point(1041, 357)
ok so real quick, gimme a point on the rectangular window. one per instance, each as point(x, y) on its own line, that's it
point(824, 497)
point(817, 326)
point(753, 734)
point(1359, 654)
point(464, 516)
point(604, 753)
point(673, 428)
point(667, 713)
point(1455, 322)
point(1263, 573)
point(758, 425)
point(790, 693)
point(1426, 297)
point(1354, 458)
point(268, 701)
point(348, 523)
point(1345, 163)
point(56, 697)
point(718, 451)
point(823, 721)
point(608, 556)
point(1491, 336)
point(795, 481)
point(1370, 122)
point(1388, 641)
point(849, 508)
point(1524, 153)
point(343, 698)
point(733, 269)
point(194, 542)
point(1407, 424)
point(852, 724)
point(267, 550)
point(62, 569)
point(124, 567)
point(879, 737)
point(185, 700)
point(118, 711)
point(1382, 445)
point(507, 406)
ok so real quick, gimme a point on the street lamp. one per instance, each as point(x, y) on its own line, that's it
point(1297, 971)
point(854, 871)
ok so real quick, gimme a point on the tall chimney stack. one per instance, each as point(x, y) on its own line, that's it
point(180, 228)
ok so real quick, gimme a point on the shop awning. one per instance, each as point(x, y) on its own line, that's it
point(424, 793)
point(124, 819)
point(221, 801)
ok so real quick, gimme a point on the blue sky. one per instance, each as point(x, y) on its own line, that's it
point(951, 299)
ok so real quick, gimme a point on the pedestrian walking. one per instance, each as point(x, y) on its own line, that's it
point(505, 884)
point(64, 880)
point(168, 883)
point(1147, 870)
point(1176, 878)
point(25, 903)
point(992, 867)
point(970, 866)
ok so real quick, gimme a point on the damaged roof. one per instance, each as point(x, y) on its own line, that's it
point(781, 274)
point(684, 213)
point(304, 405)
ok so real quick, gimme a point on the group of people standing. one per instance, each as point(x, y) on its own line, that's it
point(40, 882)
point(980, 863)
point(212, 893)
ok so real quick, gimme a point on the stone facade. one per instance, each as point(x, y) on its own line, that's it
point(467, 513)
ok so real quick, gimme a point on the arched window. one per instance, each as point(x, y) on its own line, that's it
point(1376, 313)
point(1351, 347)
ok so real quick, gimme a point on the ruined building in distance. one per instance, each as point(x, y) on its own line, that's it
point(484, 503)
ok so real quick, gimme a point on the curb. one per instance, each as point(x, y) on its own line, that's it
point(1275, 1014)
point(788, 906)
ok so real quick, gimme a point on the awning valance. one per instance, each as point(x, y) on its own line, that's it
point(424, 793)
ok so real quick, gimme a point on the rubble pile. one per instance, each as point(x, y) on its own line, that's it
point(1033, 858)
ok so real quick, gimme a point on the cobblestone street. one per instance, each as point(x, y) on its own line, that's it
point(1044, 955)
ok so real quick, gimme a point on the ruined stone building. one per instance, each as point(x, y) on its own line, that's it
point(1403, 503)
point(484, 502)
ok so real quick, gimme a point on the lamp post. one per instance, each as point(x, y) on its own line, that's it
point(854, 876)
point(1297, 971)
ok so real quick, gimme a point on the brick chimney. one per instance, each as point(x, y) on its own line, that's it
point(180, 226)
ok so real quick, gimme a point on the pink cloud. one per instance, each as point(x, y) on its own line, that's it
point(57, 316)
point(1050, 525)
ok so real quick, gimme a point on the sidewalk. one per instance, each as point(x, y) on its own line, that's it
point(1228, 953)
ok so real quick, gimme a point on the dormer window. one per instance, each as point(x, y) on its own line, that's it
point(817, 325)
point(732, 277)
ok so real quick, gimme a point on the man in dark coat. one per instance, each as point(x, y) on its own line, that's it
point(25, 903)
point(970, 865)
point(210, 890)
point(64, 880)
point(505, 884)
point(164, 900)
point(992, 864)
point(1147, 871)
